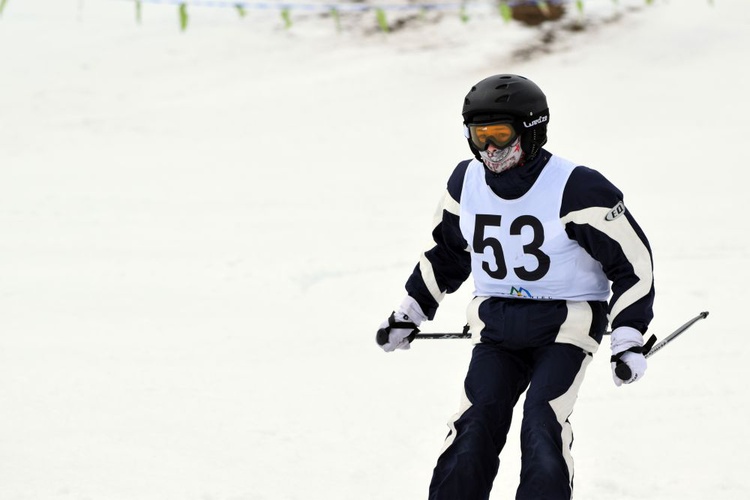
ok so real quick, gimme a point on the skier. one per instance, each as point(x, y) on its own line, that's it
point(547, 242)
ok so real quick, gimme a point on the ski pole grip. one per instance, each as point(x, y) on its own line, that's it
point(623, 371)
point(382, 336)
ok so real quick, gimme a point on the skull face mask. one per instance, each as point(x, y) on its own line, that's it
point(499, 160)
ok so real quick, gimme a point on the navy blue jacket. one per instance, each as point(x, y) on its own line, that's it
point(450, 262)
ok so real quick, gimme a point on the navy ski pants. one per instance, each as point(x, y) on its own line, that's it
point(497, 376)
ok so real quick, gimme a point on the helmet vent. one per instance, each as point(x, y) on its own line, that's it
point(503, 86)
point(503, 98)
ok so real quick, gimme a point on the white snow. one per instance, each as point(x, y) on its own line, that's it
point(200, 232)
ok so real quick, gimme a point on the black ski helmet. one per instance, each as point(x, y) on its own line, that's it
point(512, 98)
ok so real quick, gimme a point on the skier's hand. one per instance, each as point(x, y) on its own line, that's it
point(628, 362)
point(401, 327)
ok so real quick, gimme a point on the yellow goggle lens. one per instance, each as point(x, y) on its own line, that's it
point(499, 134)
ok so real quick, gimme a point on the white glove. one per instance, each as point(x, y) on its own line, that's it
point(628, 362)
point(401, 327)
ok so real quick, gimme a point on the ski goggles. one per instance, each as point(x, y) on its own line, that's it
point(484, 134)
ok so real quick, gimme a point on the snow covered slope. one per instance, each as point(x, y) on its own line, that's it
point(200, 232)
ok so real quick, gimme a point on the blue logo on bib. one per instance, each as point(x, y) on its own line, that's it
point(520, 292)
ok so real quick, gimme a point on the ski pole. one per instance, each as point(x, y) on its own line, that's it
point(623, 371)
point(448, 335)
point(464, 334)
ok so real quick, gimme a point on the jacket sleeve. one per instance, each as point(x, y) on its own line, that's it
point(444, 267)
point(594, 215)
